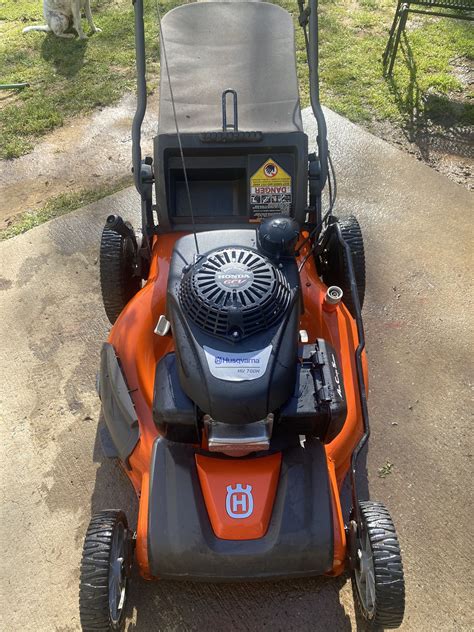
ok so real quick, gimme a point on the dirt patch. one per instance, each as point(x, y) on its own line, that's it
point(438, 128)
point(449, 151)
point(87, 153)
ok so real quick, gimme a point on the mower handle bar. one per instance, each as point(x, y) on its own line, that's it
point(310, 15)
point(141, 94)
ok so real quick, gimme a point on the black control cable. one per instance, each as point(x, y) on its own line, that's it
point(332, 185)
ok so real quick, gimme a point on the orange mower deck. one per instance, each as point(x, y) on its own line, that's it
point(139, 350)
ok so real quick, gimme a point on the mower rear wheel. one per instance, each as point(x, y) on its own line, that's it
point(105, 568)
point(334, 265)
point(118, 279)
point(378, 583)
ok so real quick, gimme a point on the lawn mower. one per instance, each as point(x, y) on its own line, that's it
point(233, 382)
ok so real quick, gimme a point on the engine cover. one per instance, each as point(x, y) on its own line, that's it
point(234, 293)
point(234, 316)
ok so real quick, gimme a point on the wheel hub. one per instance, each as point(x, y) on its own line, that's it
point(117, 574)
point(365, 576)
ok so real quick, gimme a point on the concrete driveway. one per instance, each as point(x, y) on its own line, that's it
point(419, 328)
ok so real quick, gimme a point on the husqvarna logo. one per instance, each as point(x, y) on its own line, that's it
point(239, 501)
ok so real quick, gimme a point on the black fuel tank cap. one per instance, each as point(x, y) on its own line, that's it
point(277, 236)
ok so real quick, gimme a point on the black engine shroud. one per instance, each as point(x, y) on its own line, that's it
point(234, 316)
point(233, 293)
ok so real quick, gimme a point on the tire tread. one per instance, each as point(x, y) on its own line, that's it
point(117, 282)
point(353, 235)
point(388, 567)
point(336, 270)
point(94, 577)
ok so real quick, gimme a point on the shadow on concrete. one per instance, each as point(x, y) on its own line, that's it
point(434, 122)
point(306, 604)
point(302, 605)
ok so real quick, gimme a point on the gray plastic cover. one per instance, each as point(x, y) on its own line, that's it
point(244, 46)
point(182, 544)
point(119, 412)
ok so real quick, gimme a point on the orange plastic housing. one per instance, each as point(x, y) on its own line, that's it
point(139, 349)
point(216, 475)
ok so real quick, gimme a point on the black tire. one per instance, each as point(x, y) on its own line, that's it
point(118, 281)
point(334, 266)
point(96, 608)
point(388, 605)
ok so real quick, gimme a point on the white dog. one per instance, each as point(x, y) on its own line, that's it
point(60, 14)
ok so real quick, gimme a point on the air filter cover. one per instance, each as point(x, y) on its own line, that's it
point(234, 293)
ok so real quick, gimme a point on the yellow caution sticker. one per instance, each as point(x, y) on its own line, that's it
point(270, 190)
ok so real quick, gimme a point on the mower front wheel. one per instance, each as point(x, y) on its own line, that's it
point(105, 569)
point(377, 581)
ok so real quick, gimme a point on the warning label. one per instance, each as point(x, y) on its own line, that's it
point(270, 190)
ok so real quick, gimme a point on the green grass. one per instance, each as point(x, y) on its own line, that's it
point(353, 35)
point(60, 205)
point(67, 76)
point(385, 470)
point(70, 77)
